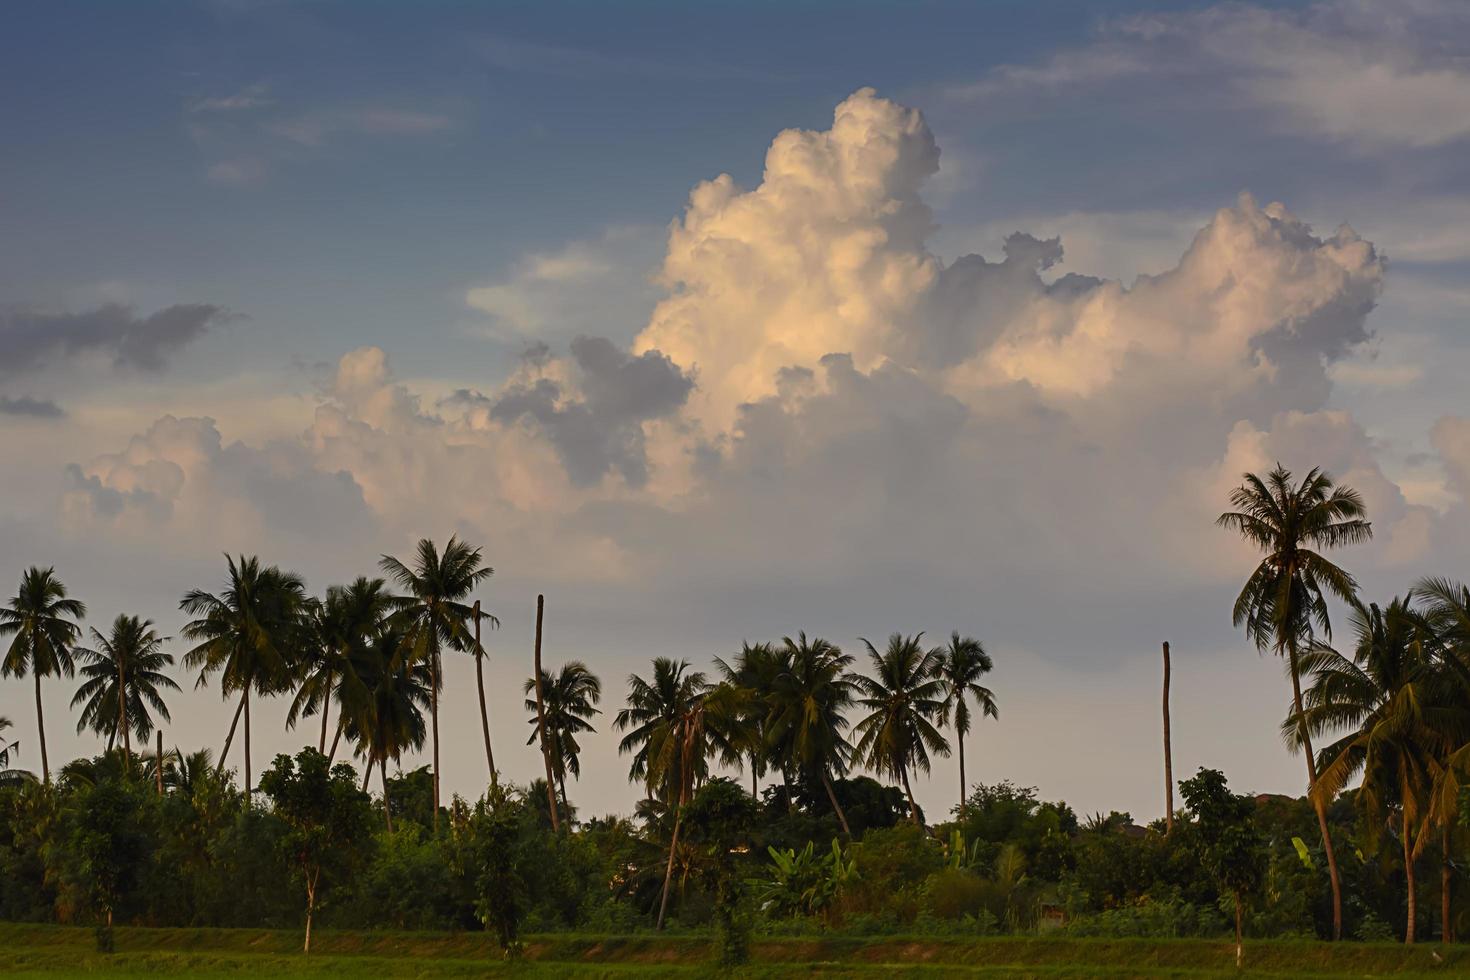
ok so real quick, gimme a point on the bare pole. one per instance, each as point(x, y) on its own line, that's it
point(541, 720)
point(158, 763)
point(480, 683)
point(1168, 753)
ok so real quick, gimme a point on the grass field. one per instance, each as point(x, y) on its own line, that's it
point(59, 951)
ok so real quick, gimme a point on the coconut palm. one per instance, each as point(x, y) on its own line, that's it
point(341, 622)
point(9, 748)
point(248, 633)
point(570, 698)
point(131, 659)
point(958, 670)
point(904, 699)
point(1384, 697)
point(655, 710)
point(432, 614)
point(755, 669)
point(42, 619)
point(806, 726)
point(382, 705)
point(1283, 604)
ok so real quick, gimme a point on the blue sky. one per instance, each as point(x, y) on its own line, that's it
point(269, 273)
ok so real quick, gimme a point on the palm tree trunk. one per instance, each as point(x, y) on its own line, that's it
point(219, 767)
point(663, 903)
point(546, 748)
point(335, 739)
point(310, 907)
point(434, 707)
point(383, 771)
point(561, 779)
point(754, 786)
point(367, 773)
point(326, 709)
point(41, 726)
point(247, 744)
point(1409, 881)
point(960, 742)
point(837, 807)
point(1447, 925)
point(908, 791)
point(1169, 766)
point(158, 762)
point(1239, 943)
point(122, 714)
point(1317, 802)
point(484, 714)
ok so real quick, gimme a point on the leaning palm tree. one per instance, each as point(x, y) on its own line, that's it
point(1283, 605)
point(248, 634)
point(382, 706)
point(958, 670)
point(904, 699)
point(432, 614)
point(342, 621)
point(806, 725)
point(42, 620)
point(570, 699)
point(130, 659)
point(1384, 697)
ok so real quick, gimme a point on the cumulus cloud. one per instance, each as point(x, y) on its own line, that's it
point(31, 338)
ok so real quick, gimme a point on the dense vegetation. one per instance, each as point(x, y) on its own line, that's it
point(141, 835)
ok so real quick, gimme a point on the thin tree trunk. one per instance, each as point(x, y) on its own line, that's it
point(310, 907)
point(383, 771)
point(754, 786)
point(434, 704)
point(480, 683)
point(41, 726)
point(335, 739)
point(367, 773)
point(158, 762)
point(122, 714)
point(1169, 762)
point(837, 807)
point(326, 710)
point(1409, 881)
point(219, 767)
point(663, 903)
point(546, 747)
point(247, 745)
point(1447, 925)
point(1317, 802)
point(908, 791)
point(960, 742)
point(1239, 942)
point(561, 779)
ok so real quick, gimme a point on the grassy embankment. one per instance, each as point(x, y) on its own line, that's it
point(55, 951)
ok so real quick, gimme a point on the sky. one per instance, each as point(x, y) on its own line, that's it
point(719, 322)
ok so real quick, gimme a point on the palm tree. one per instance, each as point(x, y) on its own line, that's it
point(1384, 696)
point(382, 705)
point(130, 660)
point(755, 670)
point(806, 723)
point(903, 698)
point(656, 708)
point(9, 747)
point(433, 613)
point(1284, 602)
point(958, 670)
point(249, 633)
point(41, 618)
point(570, 698)
point(345, 619)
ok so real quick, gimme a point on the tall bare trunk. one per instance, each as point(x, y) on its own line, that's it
point(908, 791)
point(1239, 941)
point(122, 714)
point(326, 710)
point(1169, 759)
point(837, 807)
point(1409, 881)
point(247, 745)
point(755, 790)
point(310, 908)
point(960, 742)
point(1318, 803)
point(1447, 923)
point(41, 726)
point(219, 767)
point(663, 902)
point(434, 705)
point(158, 763)
point(546, 746)
point(335, 739)
point(367, 773)
point(480, 684)
point(383, 772)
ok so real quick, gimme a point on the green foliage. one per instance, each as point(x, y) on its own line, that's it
point(494, 866)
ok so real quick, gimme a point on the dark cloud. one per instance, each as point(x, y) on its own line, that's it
point(602, 429)
point(33, 407)
point(29, 339)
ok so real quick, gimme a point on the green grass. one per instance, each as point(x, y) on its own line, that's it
point(61, 951)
